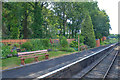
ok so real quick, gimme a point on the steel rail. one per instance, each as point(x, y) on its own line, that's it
point(99, 63)
point(96, 64)
point(110, 66)
point(53, 72)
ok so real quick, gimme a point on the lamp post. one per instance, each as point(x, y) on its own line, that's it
point(78, 44)
point(79, 41)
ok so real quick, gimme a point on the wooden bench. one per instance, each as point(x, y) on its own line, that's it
point(32, 54)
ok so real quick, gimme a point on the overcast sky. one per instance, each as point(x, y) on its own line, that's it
point(111, 8)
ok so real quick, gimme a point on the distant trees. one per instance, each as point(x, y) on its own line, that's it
point(37, 20)
point(50, 20)
point(101, 24)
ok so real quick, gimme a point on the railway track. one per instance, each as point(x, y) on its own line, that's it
point(76, 69)
point(102, 68)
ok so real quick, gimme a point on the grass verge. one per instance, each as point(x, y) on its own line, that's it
point(15, 61)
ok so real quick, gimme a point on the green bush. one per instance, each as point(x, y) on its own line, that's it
point(40, 44)
point(101, 43)
point(27, 46)
point(70, 50)
point(82, 44)
point(56, 45)
point(109, 41)
point(81, 38)
point(36, 44)
point(16, 44)
point(14, 52)
point(5, 50)
point(67, 49)
point(105, 42)
point(62, 49)
point(74, 44)
point(113, 40)
point(45, 42)
point(64, 42)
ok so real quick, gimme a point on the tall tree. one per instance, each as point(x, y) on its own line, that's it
point(11, 20)
point(101, 24)
point(87, 31)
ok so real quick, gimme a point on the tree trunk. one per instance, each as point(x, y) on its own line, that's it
point(64, 20)
point(75, 33)
point(72, 33)
point(69, 33)
point(25, 29)
point(60, 30)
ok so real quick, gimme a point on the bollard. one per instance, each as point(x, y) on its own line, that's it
point(36, 58)
point(22, 61)
point(46, 56)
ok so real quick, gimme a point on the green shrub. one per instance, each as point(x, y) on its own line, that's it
point(101, 43)
point(56, 45)
point(74, 44)
point(82, 44)
point(14, 52)
point(62, 49)
point(105, 42)
point(27, 46)
point(64, 42)
point(67, 49)
point(70, 50)
point(16, 44)
point(109, 41)
point(113, 40)
point(45, 42)
point(81, 38)
point(40, 44)
point(5, 50)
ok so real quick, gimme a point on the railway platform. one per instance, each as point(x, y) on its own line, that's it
point(40, 68)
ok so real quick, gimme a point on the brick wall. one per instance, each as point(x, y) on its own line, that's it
point(20, 41)
point(13, 41)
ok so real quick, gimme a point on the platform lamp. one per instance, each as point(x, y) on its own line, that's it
point(79, 40)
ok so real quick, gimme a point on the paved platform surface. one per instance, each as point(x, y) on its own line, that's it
point(40, 68)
